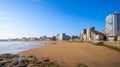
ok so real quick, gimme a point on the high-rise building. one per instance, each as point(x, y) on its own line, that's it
point(113, 26)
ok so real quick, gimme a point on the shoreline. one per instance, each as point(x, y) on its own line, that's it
point(16, 47)
point(72, 53)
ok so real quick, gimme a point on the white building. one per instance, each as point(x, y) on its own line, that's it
point(62, 36)
point(83, 36)
point(113, 26)
point(87, 35)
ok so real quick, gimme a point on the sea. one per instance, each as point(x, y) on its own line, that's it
point(16, 47)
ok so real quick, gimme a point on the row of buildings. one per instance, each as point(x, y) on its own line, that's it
point(112, 32)
point(28, 38)
point(90, 34)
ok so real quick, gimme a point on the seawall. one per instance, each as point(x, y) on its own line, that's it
point(114, 44)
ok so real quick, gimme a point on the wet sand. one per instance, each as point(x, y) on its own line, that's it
point(72, 53)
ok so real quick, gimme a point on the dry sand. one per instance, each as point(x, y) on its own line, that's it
point(73, 53)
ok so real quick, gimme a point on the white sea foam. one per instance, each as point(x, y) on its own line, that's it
point(15, 47)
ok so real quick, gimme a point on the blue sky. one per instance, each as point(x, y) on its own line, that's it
point(31, 18)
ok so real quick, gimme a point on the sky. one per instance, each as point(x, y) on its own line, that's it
point(35, 18)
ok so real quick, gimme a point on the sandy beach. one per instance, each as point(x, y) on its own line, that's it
point(72, 53)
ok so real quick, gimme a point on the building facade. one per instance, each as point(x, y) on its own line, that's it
point(113, 26)
point(87, 34)
point(62, 36)
point(90, 34)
